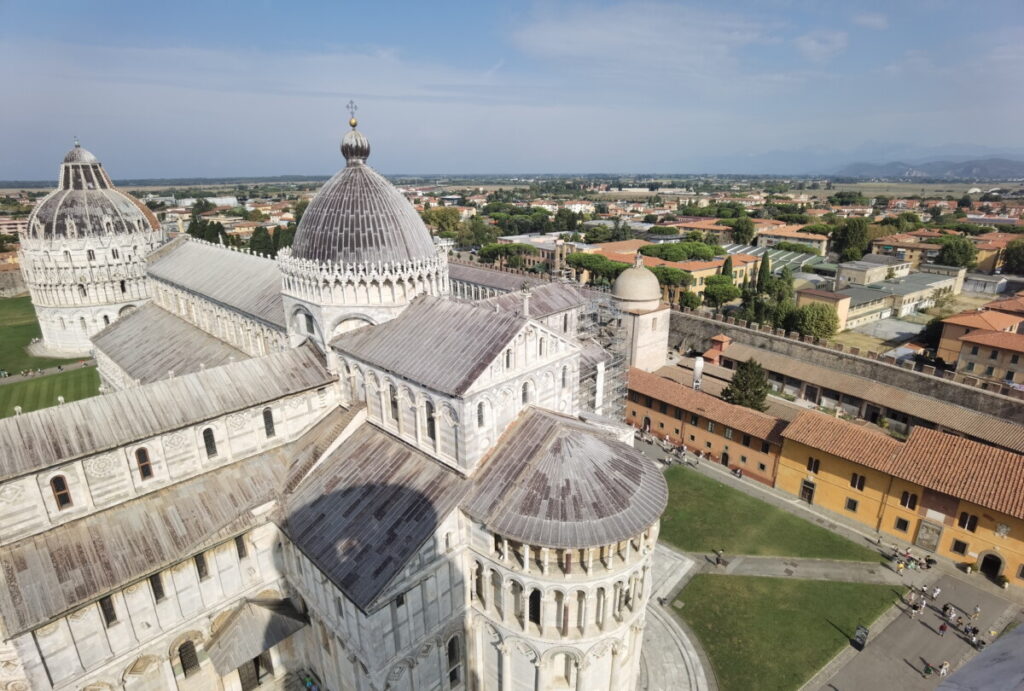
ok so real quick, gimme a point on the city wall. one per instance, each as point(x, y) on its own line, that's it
point(692, 330)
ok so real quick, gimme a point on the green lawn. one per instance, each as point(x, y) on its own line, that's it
point(41, 392)
point(18, 326)
point(775, 633)
point(704, 514)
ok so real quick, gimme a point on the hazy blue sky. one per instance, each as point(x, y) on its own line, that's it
point(259, 88)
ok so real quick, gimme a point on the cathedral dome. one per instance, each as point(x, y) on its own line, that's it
point(358, 217)
point(637, 286)
point(86, 204)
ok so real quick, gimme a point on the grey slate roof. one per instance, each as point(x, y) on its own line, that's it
point(499, 280)
point(150, 342)
point(367, 508)
point(239, 281)
point(545, 300)
point(254, 626)
point(556, 482)
point(47, 575)
point(358, 217)
point(442, 344)
point(43, 438)
point(86, 203)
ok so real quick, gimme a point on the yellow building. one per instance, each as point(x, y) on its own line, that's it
point(959, 325)
point(945, 494)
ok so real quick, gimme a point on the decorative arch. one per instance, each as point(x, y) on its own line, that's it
point(141, 666)
point(350, 322)
point(194, 636)
point(574, 653)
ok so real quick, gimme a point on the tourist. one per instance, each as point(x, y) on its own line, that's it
point(928, 670)
point(960, 624)
point(935, 592)
point(977, 612)
point(942, 629)
point(944, 668)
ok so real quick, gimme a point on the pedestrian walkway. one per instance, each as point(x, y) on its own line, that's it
point(49, 370)
point(899, 647)
point(805, 569)
point(671, 657)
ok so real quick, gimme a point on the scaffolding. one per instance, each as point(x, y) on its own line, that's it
point(604, 362)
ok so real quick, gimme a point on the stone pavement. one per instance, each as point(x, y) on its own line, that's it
point(671, 657)
point(899, 646)
point(808, 569)
point(12, 378)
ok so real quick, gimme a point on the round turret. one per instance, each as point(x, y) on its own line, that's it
point(637, 287)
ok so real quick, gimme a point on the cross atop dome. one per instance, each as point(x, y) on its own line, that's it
point(352, 108)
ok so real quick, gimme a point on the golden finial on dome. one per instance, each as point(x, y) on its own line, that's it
point(352, 108)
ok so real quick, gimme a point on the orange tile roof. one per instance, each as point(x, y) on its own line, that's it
point(791, 232)
point(968, 470)
point(990, 320)
point(746, 420)
point(856, 443)
point(1014, 305)
point(996, 339)
point(630, 246)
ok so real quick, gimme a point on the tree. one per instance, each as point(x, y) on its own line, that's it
point(956, 251)
point(261, 242)
point(727, 267)
point(300, 209)
point(444, 218)
point(202, 206)
point(749, 386)
point(1014, 257)
point(719, 290)
point(511, 252)
point(670, 276)
point(651, 218)
point(850, 240)
point(965, 202)
point(764, 273)
point(681, 251)
point(688, 299)
point(602, 269)
point(816, 319)
point(743, 231)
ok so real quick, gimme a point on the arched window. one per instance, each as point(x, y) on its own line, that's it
point(540, 347)
point(144, 464)
point(188, 659)
point(268, 422)
point(508, 358)
point(82, 292)
point(81, 323)
point(115, 254)
point(526, 392)
point(480, 414)
point(309, 324)
point(393, 394)
point(565, 377)
point(454, 662)
point(91, 255)
point(210, 442)
point(124, 287)
point(431, 424)
point(535, 606)
point(61, 493)
point(67, 256)
point(106, 320)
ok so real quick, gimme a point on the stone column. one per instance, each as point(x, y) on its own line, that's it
point(506, 667)
point(613, 682)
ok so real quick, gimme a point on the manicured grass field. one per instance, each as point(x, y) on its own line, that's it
point(703, 514)
point(18, 326)
point(41, 392)
point(775, 633)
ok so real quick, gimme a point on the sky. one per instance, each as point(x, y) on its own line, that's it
point(259, 88)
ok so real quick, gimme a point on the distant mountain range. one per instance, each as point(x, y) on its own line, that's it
point(974, 169)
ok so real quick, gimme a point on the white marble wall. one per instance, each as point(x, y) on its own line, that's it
point(100, 481)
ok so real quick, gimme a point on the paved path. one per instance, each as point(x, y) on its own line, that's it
point(49, 370)
point(671, 658)
point(896, 652)
point(806, 569)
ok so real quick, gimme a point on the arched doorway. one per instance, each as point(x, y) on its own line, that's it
point(725, 458)
point(647, 424)
point(991, 565)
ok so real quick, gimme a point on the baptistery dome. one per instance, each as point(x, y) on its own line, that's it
point(86, 204)
point(358, 217)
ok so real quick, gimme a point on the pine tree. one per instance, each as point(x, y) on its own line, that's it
point(764, 274)
point(749, 386)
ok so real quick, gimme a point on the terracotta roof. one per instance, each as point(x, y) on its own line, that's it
point(791, 232)
point(937, 411)
point(857, 443)
point(996, 339)
point(978, 473)
point(1014, 305)
point(747, 420)
point(622, 246)
point(989, 320)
